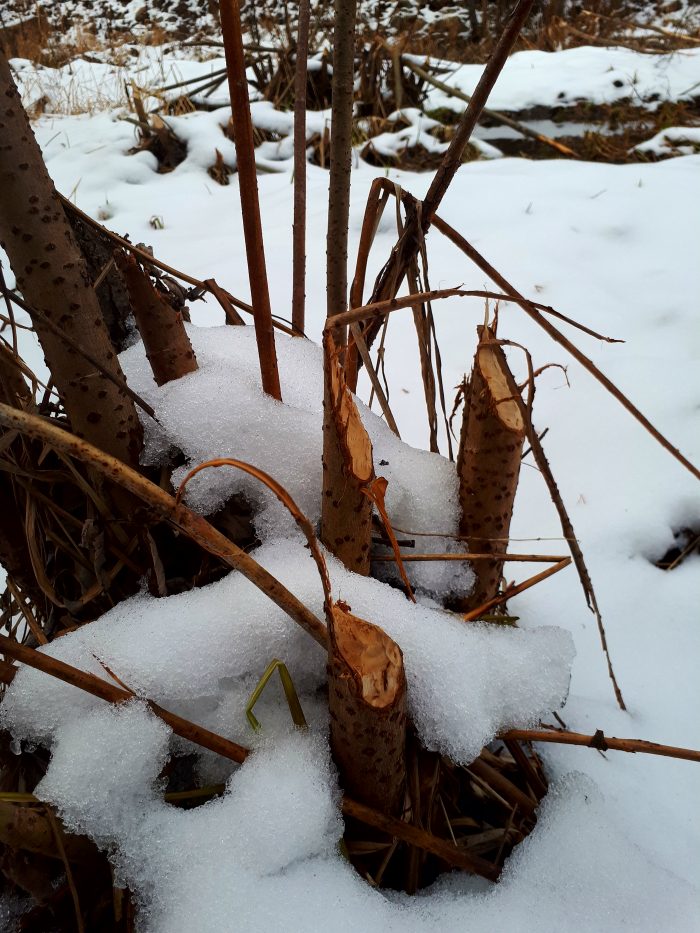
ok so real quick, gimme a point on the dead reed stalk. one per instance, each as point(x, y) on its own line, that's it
point(248, 187)
point(299, 226)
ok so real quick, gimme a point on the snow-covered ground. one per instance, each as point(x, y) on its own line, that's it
point(616, 846)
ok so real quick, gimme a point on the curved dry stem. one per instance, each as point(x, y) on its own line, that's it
point(286, 500)
point(164, 505)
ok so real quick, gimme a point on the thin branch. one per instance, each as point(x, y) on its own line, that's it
point(514, 590)
point(601, 742)
point(114, 694)
point(122, 384)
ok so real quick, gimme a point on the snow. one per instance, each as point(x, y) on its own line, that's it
point(505, 677)
point(676, 140)
point(557, 79)
point(616, 844)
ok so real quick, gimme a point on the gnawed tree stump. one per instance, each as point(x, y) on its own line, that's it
point(168, 347)
point(488, 464)
point(367, 702)
point(346, 512)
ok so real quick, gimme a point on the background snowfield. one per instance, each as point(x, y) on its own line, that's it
point(618, 840)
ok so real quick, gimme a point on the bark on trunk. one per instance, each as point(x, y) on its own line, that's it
point(14, 553)
point(346, 512)
point(367, 701)
point(107, 280)
point(168, 347)
point(52, 276)
point(488, 464)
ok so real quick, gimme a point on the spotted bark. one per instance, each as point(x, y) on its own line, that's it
point(51, 275)
point(488, 463)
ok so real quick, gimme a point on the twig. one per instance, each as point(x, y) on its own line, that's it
point(58, 836)
point(532, 311)
point(359, 340)
point(62, 335)
point(576, 552)
point(600, 741)
point(466, 555)
point(514, 590)
point(420, 838)
point(114, 694)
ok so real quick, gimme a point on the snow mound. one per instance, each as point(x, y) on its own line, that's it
point(265, 856)
point(285, 440)
point(200, 653)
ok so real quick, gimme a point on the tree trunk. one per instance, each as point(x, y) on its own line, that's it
point(346, 512)
point(168, 347)
point(367, 701)
point(51, 274)
point(488, 464)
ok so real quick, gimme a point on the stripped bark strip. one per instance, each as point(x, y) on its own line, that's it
point(346, 513)
point(376, 202)
point(492, 114)
point(299, 224)
point(367, 703)
point(514, 590)
point(224, 299)
point(488, 462)
point(286, 500)
point(601, 742)
point(105, 690)
point(248, 187)
point(168, 348)
point(376, 491)
point(164, 505)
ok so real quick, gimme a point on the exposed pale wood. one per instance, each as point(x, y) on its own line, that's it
point(367, 702)
point(346, 512)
